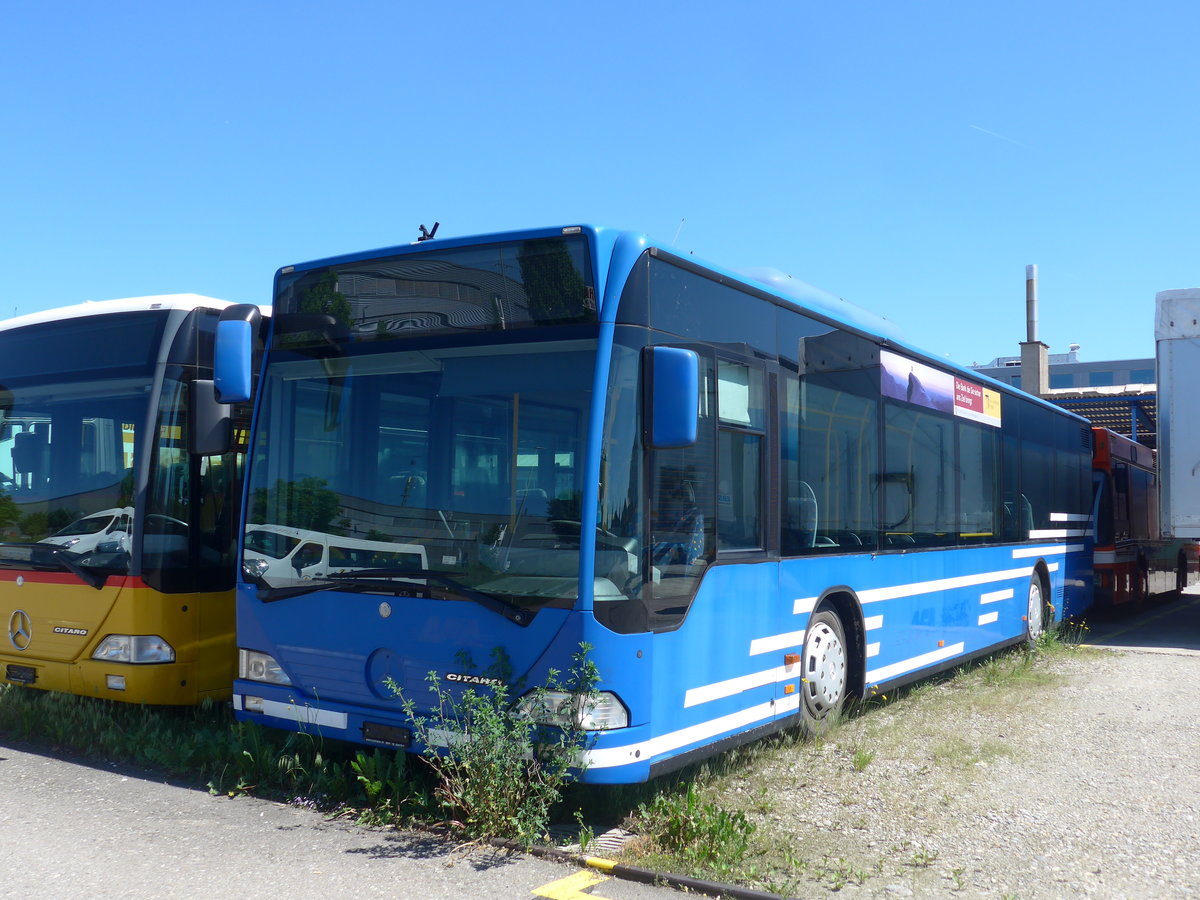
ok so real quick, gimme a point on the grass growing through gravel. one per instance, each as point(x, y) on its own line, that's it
point(786, 815)
point(852, 807)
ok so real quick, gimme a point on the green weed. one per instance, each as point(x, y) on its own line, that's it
point(703, 834)
point(501, 764)
point(861, 758)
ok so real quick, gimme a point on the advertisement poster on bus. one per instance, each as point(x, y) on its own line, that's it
point(913, 382)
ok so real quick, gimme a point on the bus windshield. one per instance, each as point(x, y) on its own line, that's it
point(71, 413)
point(426, 413)
point(454, 461)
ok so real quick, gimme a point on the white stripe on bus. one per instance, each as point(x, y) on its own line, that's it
point(1070, 517)
point(646, 750)
point(996, 596)
point(740, 684)
point(1056, 550)
point(989, 618)
point(776, 642)
point(871, 623)
point(877, 595)
point(917, 662)
point(805, 606)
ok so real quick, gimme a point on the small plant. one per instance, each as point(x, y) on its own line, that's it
point(586, 834)
point(923, 857)
point(840, 873)
point(862, 758)
point(763, 802)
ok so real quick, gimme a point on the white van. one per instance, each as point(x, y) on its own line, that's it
point(108, 526)
point(277, 551)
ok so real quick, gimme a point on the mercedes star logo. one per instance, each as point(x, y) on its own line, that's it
point(20, 629)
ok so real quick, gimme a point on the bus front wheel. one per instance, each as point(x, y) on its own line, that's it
point(823, 681)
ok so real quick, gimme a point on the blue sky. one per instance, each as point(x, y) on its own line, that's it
point(911, 157)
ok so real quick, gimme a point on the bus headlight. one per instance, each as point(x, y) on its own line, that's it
point(255, 666)
point(137, 649)
point(597, 712)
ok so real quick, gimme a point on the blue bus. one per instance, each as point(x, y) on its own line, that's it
point(750, 498)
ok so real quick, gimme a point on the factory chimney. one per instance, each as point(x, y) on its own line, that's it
point(1035, 356)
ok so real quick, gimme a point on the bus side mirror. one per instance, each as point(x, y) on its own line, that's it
point(211, 422)
point(233, 362)
point(674, 397)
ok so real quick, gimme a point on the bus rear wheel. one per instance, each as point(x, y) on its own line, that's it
point(1035, 612)
point(823, 682)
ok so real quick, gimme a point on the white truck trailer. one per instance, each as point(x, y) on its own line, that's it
point(1177, 343)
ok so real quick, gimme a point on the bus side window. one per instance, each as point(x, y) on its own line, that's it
point(830, 477)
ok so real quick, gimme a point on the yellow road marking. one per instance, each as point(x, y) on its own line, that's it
point(572, 887)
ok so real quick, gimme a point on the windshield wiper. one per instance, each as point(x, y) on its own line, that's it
point(366, 580)
point(63, 557)
point(270, 594)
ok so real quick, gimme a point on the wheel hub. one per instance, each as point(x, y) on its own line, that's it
point(824, 669)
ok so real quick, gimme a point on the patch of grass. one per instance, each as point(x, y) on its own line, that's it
point(201, 745)
point(939, 730)
point(838, 873)
point(956, 753)
point(394, 792)
point(862, 758)
point(708, 838)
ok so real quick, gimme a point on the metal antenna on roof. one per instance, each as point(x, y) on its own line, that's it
point(426, 234)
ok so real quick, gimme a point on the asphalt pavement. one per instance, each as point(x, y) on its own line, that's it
point(1167, 624)
point(69, 829)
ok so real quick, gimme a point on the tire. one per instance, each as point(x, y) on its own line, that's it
point(1035, 609)
point(824, 677)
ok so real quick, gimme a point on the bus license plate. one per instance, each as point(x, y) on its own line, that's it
point(391, 735)
point(21, 674)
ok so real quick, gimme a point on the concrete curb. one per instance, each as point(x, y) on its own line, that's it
point(634, 873)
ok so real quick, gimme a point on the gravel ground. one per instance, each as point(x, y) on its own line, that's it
point(1078, 777)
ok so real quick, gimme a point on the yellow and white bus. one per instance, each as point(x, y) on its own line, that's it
point(119, 485)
